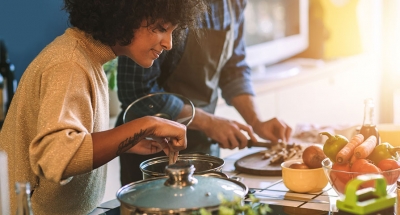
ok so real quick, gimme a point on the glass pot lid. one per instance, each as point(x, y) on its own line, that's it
point(180, 189)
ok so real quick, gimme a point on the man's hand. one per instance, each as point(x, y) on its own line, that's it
point(228, 133)
point(274, 130)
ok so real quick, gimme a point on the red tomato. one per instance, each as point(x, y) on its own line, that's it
point(388, 164)
point(364, 166)
point(391, 170)
point(340, 175)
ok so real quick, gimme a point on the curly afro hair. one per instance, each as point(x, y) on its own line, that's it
point(114, 21)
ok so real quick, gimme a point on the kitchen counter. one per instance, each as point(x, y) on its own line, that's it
point(269, 189)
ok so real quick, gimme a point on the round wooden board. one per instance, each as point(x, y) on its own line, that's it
point(255, 164)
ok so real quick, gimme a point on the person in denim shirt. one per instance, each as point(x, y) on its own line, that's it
point(198, 69)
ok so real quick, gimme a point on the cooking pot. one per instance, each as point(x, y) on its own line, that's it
point(180, 192)
point(203, 164)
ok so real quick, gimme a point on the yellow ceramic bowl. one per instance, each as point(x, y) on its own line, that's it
point(303, 180)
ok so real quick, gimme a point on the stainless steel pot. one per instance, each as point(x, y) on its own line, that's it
point(203, 164)
point(180, 192)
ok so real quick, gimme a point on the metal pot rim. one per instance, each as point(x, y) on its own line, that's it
point(164, 159)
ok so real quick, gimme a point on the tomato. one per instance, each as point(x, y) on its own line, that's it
point(358, 165)
point(391, 168)
point(364, 166)
point(340, 175)
point(388, 164)
point(342, 172)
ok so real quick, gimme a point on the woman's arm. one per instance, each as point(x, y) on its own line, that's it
point(131, 137)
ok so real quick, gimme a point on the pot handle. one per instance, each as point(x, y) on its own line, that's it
point(236, 178)
point(214, 174)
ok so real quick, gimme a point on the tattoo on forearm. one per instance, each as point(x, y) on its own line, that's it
point(130, 141)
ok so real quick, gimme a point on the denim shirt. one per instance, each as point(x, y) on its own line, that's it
point(135, 81)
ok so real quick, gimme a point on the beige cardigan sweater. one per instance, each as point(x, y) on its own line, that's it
point(61, 99)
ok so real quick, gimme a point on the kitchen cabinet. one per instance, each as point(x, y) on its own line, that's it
point(330, 94)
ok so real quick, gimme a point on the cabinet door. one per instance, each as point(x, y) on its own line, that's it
point(266, 106)
point(336, 99)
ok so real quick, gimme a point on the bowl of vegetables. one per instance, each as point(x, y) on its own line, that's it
point(339, 175)
point(349, 158)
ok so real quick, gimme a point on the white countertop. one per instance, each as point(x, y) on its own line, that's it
point(270, 190)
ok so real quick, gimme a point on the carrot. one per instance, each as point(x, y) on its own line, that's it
point(347, 151)
point(365, 148)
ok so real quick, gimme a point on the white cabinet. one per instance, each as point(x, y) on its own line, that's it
point(332, 94)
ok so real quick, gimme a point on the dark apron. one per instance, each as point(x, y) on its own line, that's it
point(196, 76)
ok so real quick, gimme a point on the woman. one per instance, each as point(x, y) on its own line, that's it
point(56, 131)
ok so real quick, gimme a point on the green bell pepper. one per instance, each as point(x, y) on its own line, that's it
point(333, 145)
point(383, 151)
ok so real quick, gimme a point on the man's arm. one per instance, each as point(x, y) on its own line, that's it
point(237, 87)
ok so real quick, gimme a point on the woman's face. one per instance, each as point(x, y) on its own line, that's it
point(148, 43)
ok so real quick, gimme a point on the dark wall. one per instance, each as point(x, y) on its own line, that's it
point(28, 26)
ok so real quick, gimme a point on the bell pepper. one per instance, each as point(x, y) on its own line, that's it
point(333, 145)
point(383, 151)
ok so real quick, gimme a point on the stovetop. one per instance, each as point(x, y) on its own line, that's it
point(277, 210)
point(114, 211)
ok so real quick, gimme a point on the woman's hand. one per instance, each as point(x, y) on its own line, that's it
point(165, 135)
point(146, 135)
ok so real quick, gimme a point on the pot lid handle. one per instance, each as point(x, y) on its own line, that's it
point(180, 174)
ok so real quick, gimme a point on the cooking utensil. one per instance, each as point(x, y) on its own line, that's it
point(266, 144)
point(267, 162)
point(165, 105)
point(303, 180)
point(367, 200)
point(203, 164)
point(256, 164)
point(180, 192)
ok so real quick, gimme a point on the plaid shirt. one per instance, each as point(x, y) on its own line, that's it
point(135, 81)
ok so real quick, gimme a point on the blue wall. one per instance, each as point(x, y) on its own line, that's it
point(28, 26)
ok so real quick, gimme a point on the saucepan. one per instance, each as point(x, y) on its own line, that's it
point(179, 192)
point(204, 165)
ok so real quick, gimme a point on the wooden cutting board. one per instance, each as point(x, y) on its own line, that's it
point(255, 164)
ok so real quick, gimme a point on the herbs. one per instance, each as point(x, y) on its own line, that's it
point(110, 68)
point(236, 206)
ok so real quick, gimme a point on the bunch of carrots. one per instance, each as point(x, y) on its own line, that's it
point(356, 148)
